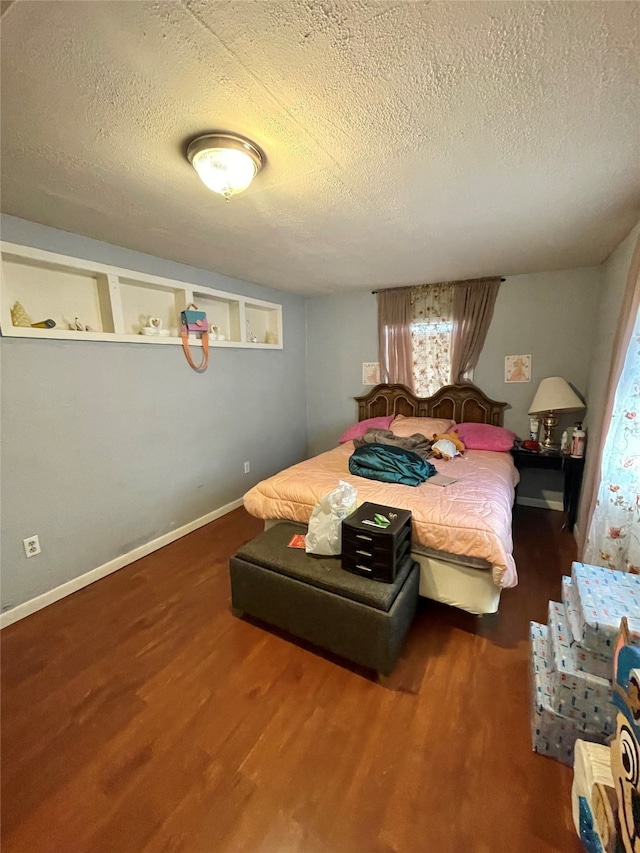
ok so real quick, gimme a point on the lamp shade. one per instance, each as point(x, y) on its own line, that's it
point(554, 394)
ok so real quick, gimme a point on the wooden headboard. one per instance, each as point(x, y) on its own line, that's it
point(461, 403)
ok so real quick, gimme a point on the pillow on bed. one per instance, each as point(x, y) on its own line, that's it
point(361, 427)
point(485, 437)
point(428, 427)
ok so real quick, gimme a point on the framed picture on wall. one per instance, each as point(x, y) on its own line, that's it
point(370, 373)
point(517, 368)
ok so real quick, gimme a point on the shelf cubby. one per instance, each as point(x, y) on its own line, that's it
point(117, 303)
point(224, 312)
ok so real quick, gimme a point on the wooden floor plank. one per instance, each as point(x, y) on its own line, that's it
point(140, 715)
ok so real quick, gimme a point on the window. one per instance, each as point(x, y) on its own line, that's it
point(431, 334)
point(614, 535)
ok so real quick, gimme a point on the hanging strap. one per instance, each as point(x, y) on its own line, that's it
point(199, 368)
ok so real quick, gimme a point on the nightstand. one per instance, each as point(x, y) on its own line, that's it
point(572, 470)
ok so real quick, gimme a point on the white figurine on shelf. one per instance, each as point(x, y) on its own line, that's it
point(250, 336)
point(154, 328)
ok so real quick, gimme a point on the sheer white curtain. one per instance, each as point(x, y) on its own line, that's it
point(613, 538)
point(431, 334)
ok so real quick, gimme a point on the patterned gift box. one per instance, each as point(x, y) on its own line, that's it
point(601, 597)
point(585, 661)
point(575, 693)
point(551, 733)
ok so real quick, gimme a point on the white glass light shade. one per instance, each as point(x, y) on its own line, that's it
point(225, 163)
point(554, 394)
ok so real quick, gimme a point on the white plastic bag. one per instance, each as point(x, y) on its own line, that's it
point(325, 525)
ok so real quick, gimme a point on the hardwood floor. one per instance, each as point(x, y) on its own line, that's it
point(139, 715)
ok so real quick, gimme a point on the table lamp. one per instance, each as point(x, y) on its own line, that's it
point(554, 395)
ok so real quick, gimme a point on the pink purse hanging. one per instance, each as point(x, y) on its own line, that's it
point(192, 320)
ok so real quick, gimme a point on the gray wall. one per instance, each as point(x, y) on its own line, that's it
point(548, 315)
point(551, 316)
point(107, 446)
point(342, 332)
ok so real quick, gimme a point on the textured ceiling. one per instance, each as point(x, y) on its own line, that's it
point(406, 142)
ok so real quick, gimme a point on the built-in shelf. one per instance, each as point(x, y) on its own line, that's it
point(116, 304)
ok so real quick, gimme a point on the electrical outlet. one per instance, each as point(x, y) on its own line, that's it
point(247, 467)
point(31, 546)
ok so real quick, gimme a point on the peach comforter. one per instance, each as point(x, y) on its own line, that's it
point(471, 517)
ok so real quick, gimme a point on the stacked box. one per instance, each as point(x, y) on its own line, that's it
point(585, 660)
point(599, 598)
point(576, 692)
point(572, 659)
point(552, 733)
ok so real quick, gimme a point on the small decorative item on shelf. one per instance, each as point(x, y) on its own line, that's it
point(215, 334)
point(271, 338)
point(250, 336)
point(565, 442)
point(154, 328)
point(19, 316)
point(534, 428)
point(79, 326)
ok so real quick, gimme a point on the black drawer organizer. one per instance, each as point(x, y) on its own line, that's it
point(375, 551)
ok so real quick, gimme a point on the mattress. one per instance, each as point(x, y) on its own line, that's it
point(470, 518)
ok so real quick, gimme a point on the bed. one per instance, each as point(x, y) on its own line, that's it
point(461, 533)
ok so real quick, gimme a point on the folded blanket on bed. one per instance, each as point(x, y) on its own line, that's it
point(416, 442)
point(390, 464)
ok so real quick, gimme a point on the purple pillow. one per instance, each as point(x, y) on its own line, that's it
point(362, 426)
point(485, 437)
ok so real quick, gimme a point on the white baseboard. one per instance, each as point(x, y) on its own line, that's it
point(40, 601)
point(541, 503)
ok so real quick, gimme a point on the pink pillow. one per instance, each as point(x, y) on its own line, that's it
point(362, 426)
point(428, 427)
point(485, 437)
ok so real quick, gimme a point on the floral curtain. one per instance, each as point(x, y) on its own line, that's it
point(431, 332)
point(613, 539)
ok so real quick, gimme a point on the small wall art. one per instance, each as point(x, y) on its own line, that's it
point(517, 368)
point(370, 373)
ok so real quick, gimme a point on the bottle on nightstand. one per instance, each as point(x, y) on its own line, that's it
point(577, 442)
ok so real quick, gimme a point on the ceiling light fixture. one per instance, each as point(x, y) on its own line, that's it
point(226, 163)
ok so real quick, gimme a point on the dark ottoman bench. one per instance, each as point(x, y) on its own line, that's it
point(316, 599)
